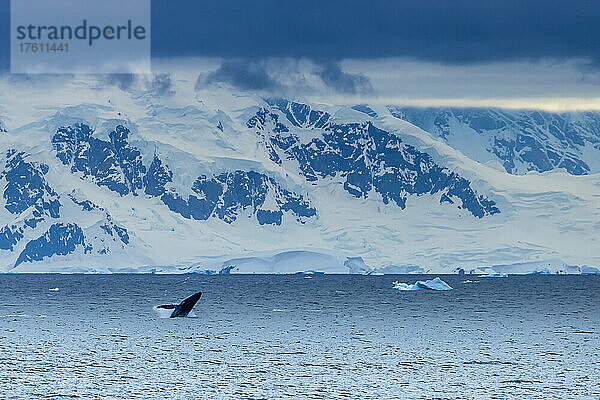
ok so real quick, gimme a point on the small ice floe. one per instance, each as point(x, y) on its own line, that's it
point(433, 284)
point(468, 281)
point(495, 275)
point(310, 272)
point(54, 289)
point(22, 316)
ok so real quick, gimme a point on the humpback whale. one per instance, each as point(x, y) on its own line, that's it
point(182, 309)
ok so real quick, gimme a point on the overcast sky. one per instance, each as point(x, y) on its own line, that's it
point(495, 49)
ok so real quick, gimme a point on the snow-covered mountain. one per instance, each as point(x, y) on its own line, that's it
point(520, 141)
point(101, 179)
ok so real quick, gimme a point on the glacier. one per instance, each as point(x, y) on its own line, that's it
point(548, 266)
point(106, 180)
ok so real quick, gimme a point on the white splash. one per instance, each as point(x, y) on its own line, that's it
point(166, 312)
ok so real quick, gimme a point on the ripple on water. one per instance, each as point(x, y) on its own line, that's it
point(266, 337)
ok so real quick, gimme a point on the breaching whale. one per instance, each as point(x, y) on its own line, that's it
point(182, 309)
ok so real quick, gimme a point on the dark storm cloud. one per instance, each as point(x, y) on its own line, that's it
point(284, 75)
point(162, 85)
point(123, 81)
point(243, 74)
point(343, 82)
point(4, 35)
point(446, 31)
point(159, 84)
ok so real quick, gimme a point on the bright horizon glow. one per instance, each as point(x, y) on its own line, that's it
point(550, 85)
point(565, 104)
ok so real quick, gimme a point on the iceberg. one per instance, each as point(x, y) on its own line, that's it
point(205, 272)
point(494, 276)
point(587, 270)
point(310, 272)
point(548, 266)
point(275, 262)
point(433, 284)
point(356, 265)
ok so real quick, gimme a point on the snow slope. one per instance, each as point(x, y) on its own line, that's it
point(521, 141)
point(95, 178)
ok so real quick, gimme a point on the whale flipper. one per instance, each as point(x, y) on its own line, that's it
point(183, 309)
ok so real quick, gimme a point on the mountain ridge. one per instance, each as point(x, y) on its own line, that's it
point(223, 178)
point(521, 140)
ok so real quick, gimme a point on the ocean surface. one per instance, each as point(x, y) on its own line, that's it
point(289, 337)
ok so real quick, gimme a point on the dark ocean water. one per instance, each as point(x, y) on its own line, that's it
point(282, 336)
